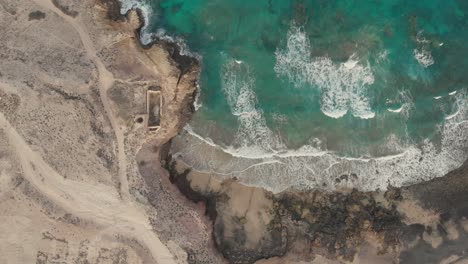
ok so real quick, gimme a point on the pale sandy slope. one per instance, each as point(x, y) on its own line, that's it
point(97, 203)
point(111, 210)
point(106, 80)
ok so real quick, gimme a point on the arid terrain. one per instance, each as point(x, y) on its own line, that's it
point(84, 180)
point(72, 85)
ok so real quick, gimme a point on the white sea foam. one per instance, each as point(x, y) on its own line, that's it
point(146, 35)
point(262, 160)
point(343, 86)
point(310, 167)
point(351, 63)
point(280, 118)
point(127, 5)
point(405, 99)
point(424, 57)
point(383, 56)
point(452, 115)
point(422, 54)
point(197, 103)
point(421, 39)
point(459, 106)
point(398, 110)
point(253, 136)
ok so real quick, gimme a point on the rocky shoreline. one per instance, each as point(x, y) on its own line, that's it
point(336, 224)
point(303, 225)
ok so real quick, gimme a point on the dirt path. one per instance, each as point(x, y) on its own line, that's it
point(96, 203)
point(106, 80)
point(110, 209)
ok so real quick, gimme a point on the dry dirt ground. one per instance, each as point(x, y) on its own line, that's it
point(72, 82)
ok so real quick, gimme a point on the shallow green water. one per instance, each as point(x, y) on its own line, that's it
point(339, 75)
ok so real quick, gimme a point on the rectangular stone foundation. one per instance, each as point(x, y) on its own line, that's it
point(153, 108)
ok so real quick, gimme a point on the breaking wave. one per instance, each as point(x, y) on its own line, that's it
point(253, 136)
point(404, 104)
point(310, 167)
point(258, 157)
point(343, 85)
point(422, 54)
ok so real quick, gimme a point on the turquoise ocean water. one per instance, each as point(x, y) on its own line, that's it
point(354, 78)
